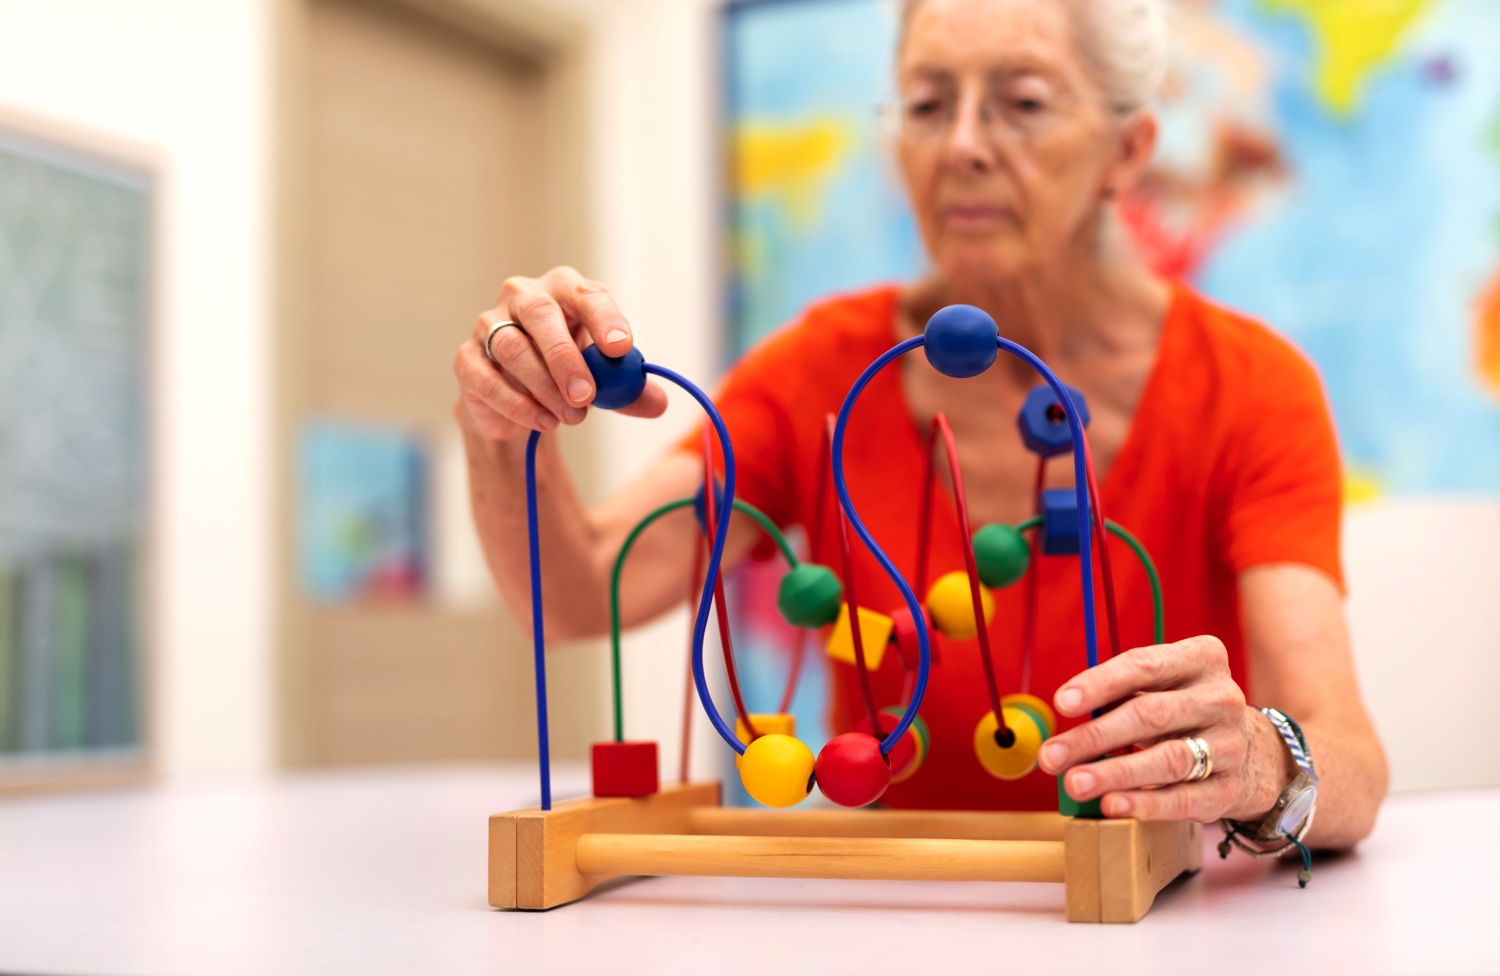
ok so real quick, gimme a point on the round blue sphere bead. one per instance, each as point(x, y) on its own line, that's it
point(961, 341)
point(618, 380)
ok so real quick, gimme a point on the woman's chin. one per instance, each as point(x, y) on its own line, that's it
point(978, 265)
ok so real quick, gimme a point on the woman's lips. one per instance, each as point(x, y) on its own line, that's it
point(976, 216)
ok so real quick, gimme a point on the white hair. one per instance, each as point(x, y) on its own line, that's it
point(1123, 42)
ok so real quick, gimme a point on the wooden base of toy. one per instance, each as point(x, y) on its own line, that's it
point(1111, 869)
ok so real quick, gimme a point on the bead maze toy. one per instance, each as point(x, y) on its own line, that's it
point(1111, 870)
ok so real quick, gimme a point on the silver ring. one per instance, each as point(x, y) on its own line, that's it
point(490, 335)
point(1203, 758)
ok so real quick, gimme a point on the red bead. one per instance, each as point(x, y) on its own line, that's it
point(625, 769)
point(851, 771)
point(903, 754)
point(904, 636)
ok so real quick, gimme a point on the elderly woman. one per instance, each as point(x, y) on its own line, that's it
point(1020, 122)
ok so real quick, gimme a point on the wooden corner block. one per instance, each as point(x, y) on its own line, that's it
point(502, 861)
point(1081, 869)
point(542, 856)
point(1137, 859)
point(1113, 869)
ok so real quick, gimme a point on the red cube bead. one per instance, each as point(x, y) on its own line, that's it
point(625, 769)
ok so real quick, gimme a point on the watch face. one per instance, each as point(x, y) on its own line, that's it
point(1297, 810)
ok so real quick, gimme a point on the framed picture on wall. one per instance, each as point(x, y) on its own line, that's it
point(77, 228)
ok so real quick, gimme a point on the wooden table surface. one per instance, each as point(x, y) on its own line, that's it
point(383, 871)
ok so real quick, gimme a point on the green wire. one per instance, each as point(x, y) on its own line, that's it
point(1146, 563)
point(1150, 567)
point(614, 585)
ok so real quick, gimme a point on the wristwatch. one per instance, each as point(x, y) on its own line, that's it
point(1282, 828)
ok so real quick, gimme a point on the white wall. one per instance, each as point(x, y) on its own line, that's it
point(1424, 611)
point(188, 80)
point(654, 89)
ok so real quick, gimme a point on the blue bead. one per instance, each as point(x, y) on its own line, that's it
point(1059, 522)
point(1044, 426)
point(961, 341)
point(618, 381)
point(698, 509)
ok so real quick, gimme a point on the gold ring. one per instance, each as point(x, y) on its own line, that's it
point(1203, 758)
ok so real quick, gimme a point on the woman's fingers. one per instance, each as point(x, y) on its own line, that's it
point(1167, 762)
point(486, 388)
point(652, 403)
point(590, 305)
point(518, 356)
point(1141, 669)
point(538, 377)
point(542, 318)
point(1204, 801)
point(1145, 718)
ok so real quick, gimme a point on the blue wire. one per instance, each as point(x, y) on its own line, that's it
point(721, 532)
point(912, 603)
point(1081, 489)
point(1080, 477)
point(538, 639)
point(715, 555)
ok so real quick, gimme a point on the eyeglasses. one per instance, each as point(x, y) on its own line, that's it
point(1006, 115)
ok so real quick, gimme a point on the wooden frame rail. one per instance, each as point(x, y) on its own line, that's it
point(1111, 869)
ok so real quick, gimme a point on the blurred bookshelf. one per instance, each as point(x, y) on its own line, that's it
point(75, 245)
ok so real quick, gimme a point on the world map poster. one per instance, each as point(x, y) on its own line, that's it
point(1331, 167)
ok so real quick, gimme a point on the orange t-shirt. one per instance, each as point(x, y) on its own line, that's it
point(1230, 462)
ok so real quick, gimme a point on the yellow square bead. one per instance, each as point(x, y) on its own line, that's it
point(874, 631)
point(766, 725)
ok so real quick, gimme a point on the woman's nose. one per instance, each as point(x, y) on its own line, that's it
point(968, 137)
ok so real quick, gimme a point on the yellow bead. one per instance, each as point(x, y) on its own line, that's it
point(1015, 760)
point(775, 770)
point(1040, 707)
point(764, 725)
point(952, 605)
point(874, 630)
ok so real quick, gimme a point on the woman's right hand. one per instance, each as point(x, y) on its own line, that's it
point(538, 378)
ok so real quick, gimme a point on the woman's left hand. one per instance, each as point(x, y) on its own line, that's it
point(1165, 693)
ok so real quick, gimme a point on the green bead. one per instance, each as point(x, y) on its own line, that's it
point(810, 596)
point(1002, 554)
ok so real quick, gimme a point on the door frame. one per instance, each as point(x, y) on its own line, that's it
point(559, 45)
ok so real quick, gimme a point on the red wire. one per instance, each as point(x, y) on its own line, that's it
point(1033, 586)
point(1101, 542)
point(694, 583)
point(924, 524)
point(721, 610)
point(924, 527)
point(799, 653)
point(940, 423)
point(799, 650)
point(853, 601)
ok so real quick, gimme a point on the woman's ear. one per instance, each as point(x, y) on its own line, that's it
point(1134, 149)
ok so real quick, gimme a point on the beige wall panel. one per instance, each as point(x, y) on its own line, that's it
point(422, 170)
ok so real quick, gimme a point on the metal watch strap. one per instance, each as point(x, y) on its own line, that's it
point(1291, 734)
point(1237, 833)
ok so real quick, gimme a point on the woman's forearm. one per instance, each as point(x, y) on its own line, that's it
point(1300, 661)
point(1352, 778)
point(576, 601)
point(1352, 782)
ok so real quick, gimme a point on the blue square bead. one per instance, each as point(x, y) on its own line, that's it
point(1059, 522)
